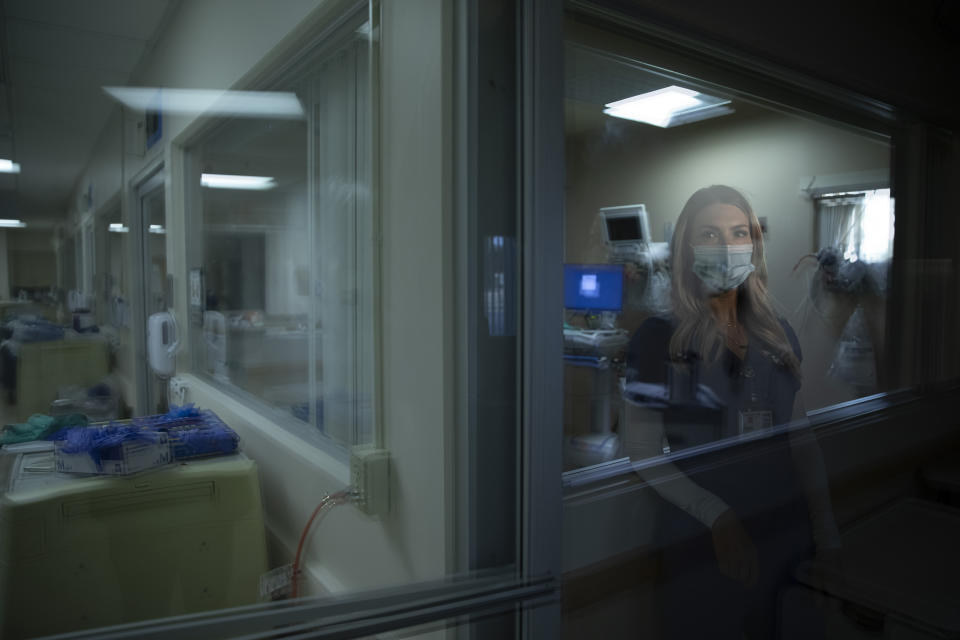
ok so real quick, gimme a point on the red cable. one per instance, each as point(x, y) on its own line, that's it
point(336, 498)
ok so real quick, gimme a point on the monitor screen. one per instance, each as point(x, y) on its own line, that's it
point(624, 229)
point(593, 287)
point(625, 225)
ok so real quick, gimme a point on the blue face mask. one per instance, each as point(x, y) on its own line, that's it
point(723, 268)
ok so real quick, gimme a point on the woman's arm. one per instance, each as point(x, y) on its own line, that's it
point(736, 555)
point(643, 440)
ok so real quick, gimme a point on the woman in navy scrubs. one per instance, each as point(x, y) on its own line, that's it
point(741, 513)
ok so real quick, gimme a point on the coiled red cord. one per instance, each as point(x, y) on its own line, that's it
point(332, 499)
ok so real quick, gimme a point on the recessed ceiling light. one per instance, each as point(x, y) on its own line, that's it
point(12, 224)
point(157, 228)
point(9, 166)
point(242, 104)
point(117, 227)
point(668, 107)
point(226, 181)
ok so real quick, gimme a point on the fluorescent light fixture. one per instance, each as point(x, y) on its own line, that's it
point(12, 224)
point(239, 104)
point(669, 107)
point(226, 181)
point(157, 228)
point(117, 227)
point(9, 166)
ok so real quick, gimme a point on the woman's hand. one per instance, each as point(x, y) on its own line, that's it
point(736, 555)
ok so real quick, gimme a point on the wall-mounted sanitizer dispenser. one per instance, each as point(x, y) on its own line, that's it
point(162, 343)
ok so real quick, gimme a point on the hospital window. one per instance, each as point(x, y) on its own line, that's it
point(282, 262)
point(644, 132)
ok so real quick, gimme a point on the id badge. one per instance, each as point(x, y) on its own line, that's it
point(751, 421)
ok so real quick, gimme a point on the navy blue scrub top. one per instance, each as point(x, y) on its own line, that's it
point(762, 489)
point(759, 382)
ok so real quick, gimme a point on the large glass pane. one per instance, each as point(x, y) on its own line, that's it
point(820, 218)
point(726, 269)
point(265, 295)
point(256, 271)
point(288, 266)
point(645, 148)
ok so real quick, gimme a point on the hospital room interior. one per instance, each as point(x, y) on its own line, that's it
point(300, 329)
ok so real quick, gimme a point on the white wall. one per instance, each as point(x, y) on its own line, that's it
point(31, 258)
point(216, 43)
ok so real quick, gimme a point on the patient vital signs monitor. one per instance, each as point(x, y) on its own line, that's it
point(626, 231)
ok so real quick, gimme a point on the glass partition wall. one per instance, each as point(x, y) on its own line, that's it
point(641, 140)
point(728, 260)
point(284, 211)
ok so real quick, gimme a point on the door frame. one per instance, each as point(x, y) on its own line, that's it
point(148, 179)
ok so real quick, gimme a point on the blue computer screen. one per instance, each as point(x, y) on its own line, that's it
point(593, 287)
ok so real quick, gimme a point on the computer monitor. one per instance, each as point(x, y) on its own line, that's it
point(626, 225)
point(593, 287)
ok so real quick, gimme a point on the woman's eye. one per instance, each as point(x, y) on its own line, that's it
point(741, 234)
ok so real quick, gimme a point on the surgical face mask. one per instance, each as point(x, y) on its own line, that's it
point(724, 267)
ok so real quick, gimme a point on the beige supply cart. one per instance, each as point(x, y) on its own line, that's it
point(80, 552)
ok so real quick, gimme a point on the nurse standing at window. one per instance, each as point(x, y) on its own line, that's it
point(731, 531)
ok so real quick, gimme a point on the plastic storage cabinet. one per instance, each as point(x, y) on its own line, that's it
point(900, 580)
point(79, 552)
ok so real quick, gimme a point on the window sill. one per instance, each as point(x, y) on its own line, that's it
point(254, 428)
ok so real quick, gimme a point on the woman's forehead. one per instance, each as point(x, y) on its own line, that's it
point(721, 215)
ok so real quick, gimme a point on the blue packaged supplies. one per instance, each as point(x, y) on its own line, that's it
point(183, 433)
point(110, 449)
point(193, 433)
point(35, 330)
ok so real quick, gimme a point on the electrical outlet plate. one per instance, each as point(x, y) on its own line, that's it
point(370, 479)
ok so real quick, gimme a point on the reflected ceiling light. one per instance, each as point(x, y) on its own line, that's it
point(240, 104)
point(117, 227)
point(157, 228)
point(669, 107)
point(12, 224)
point(9, 166)
point(225, 181)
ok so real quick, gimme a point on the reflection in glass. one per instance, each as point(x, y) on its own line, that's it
point(285, 214)
point(725, 342)
point(791, 169)
point(255, 261)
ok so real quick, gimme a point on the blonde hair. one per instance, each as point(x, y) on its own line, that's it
point(697, 333)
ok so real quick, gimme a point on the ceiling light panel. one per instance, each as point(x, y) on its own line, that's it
point(211, 102)
point(669, 107)
point(227, 181)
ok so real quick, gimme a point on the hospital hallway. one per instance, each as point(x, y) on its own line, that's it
point(479, 319)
